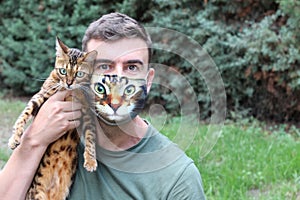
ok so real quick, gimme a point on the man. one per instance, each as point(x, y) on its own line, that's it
point(134, 160)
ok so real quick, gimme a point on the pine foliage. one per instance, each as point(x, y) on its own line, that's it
point(253, 43)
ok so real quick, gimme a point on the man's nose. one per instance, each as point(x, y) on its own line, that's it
point(118, 69)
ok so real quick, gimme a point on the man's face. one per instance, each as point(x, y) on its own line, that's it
point(125, 57)
point(128, 59)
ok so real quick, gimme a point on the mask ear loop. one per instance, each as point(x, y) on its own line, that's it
point(146, 80)
point(146, 77)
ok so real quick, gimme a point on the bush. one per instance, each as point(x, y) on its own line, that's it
point(254, 44)
point(29, 28)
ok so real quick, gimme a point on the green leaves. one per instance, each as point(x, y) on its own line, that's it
point(254, 44)
point(28, 31)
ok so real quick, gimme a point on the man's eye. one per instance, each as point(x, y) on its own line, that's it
point(104, 66)
point(132, 67)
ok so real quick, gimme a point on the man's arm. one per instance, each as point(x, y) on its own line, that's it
point(18, 172)
point(54, 118)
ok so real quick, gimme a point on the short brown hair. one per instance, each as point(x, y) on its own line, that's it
point(115, 26)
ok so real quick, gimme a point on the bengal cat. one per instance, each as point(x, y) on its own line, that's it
point(54, 176)
point(118, 99)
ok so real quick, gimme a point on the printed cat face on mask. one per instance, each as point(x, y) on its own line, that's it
point(118, 99)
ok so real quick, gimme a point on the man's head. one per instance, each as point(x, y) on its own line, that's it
point(123, 45)
point(116, 26)
point(123, 48)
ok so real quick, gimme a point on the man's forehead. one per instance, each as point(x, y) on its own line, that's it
point(115, 49)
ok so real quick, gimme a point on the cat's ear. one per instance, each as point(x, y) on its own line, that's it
point(61, 48)
point(90, 56)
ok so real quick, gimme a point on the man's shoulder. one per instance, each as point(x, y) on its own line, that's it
point(163, 151)
point(184, 179)
point(155, 140)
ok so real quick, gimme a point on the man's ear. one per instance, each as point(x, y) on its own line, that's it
point(150, 77)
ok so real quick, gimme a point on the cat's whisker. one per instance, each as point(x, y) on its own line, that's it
point(56, 87)
point(52, 80)
point(40, 79)
point(85, 89)
point(83, 86)
point(93, 110)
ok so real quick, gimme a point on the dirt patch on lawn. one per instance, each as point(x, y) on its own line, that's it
point(283, 190)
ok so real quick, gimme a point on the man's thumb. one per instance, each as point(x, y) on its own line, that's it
point(61, 95)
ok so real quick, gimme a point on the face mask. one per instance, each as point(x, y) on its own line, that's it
point(118, 99)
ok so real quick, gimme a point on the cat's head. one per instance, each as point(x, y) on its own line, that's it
point(118, 99)
point(73, 67)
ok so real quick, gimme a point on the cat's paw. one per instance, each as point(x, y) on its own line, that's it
point(15, 139)
point(90, 163)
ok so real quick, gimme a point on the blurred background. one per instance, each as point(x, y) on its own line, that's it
point(254, 43)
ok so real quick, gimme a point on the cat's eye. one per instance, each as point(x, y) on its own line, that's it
point(79, 74)
point(62, 71)
point(99, 88)
point(129, 90)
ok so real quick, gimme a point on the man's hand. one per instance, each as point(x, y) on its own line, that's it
point(54, 118)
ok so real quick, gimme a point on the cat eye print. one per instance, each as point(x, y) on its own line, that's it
point(129, 90)
point(99, 88)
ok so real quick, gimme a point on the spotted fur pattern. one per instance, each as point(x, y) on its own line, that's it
point(54, 176)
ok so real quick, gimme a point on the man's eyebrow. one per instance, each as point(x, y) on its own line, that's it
point(134, 61)
point(103, 61)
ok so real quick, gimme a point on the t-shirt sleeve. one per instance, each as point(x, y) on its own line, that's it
point(189, 185)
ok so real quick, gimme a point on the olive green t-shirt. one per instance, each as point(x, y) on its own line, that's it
point(153, 169)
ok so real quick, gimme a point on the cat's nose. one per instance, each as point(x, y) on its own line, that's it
point(114, 107)
point(115, 104)
point(69, 86)
point(69, 83)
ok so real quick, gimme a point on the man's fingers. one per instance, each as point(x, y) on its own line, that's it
point(74, 124)
point(68, 106)
point(60, 95)
point(62, 105)
point(73, 115)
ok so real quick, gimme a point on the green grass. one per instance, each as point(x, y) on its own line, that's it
point(249, 161)
point(9, 111)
